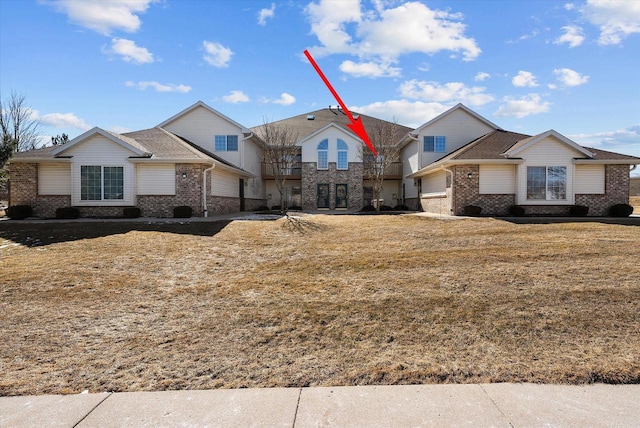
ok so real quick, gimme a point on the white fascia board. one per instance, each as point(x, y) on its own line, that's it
point(324, 128)
point(458, 106)
point(606, 162)
point(550, 133)
point(438, 166)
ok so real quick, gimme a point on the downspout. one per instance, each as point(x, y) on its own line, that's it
point(242, 154)
point(451, 212)
point(633, 168)
point(204, 190)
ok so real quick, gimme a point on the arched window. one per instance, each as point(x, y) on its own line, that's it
point(343, 155)
point(323, 154)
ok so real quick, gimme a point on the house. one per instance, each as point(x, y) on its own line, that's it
point(199, 158)
point(333, 168)
point(634, 186)
point(205, 160)
point(460, 159)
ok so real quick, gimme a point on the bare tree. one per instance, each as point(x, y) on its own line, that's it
point(384, 137)
point(18, 125)
point(280, 153)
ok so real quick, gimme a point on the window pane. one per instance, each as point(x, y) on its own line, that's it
point(90, 183)
point(220, 143)
point(536, 182)
point(323, 145)
point(342, 159)
point(557, 182)
point(440, 144)
point(232, 143)
point(113, 182)
point(342, 145)
point(429, 144)
point(323, 160)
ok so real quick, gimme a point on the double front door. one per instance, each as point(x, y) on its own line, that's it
point(324, 196)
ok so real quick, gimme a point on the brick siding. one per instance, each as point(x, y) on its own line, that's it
point(311, 177)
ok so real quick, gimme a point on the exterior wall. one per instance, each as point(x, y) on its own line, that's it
point(389, 189)
point(46, 205)
point(224, 184)
point(272, 190)
point(253, 163)
point(459, 127)
point(222, 205)
point(413, 204)
point(254, 204)
point(189, 190)
point(434, 183)
point(590, 179)
point(54, 179)
point(201, 125)
point(99, 150)
point(309, 147)
point(467, 192)
point(311, 177)
point(616, 191)
point(436, 204)
point(548, 152)
point(156, 179)
point(24, 184)
point(409, 158)
point(497, 179)
point(634, 186)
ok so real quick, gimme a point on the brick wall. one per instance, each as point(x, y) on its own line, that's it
point(217, 205)
point(24, 184)
point(311, 177)
point(436, 204)
point(253, 204)
point(616, 189)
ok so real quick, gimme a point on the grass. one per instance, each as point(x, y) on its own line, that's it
point(321, 300)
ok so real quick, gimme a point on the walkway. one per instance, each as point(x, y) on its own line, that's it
point(486, 405)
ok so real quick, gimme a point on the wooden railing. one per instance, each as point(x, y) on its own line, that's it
point(392, 172)
point(268, 171)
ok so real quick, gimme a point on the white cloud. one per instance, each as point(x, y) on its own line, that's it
point(627, 136)
point(524, 78)
point(569, 6)
point(129, 52)
point(569, 77)
point(523, 106)
point(236, 97)
point(369, 69)
point(216, 54)
point(285, 99)
point(104, 16)
point(405, 112)
point(380, 36)
point(452, 92)
point(481, 76)
point(616, 19)
point(265, 14)
point(573, 36)
point(64, 120)
point(159, 87)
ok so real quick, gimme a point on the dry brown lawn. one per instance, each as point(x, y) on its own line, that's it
point(322, 300)
point(634, 201)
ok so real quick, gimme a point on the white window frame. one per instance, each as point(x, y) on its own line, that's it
point(437, 139)
point(226, 143)
point(345, 152)
point(102, 198)
point(325, 164)
point(547, 193)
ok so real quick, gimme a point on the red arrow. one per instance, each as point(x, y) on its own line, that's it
point(356, 124)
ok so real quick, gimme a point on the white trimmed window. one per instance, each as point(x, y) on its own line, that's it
point(434, 143)
point(226, 143)
point(343, 155)
point(101, 183)
point(323, 154)
point(547, 183)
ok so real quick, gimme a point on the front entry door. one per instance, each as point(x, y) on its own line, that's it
point(323, 196)
point(241, 194)
point(341, 196)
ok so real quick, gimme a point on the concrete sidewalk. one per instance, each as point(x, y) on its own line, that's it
point(486, 405)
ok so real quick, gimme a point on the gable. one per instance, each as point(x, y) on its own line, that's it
point(549, 149)
point(332, 133)
point(100, 149)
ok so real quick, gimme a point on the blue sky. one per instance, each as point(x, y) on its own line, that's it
point(528, 66)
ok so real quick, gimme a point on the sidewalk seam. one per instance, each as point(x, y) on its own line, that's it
point(94, 407)
point(295, 415)
point(496, 405)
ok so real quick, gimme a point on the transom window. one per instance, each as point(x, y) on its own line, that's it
point(343, 155)
point(226, 143)
point(547, 183)
point(98, 183)
point(323, 154)
point(433, 143)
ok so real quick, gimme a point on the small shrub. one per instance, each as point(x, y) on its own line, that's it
point(67, 213)
point(131, 212)
point(262, 208)
point(385, 208)
point(516, 210)
point(275, 207)
point(578, 211)
point(620, 210)
point(401, 207)
point(19, 212)
point(367, 208)
point(472, 210)
point(182, 211)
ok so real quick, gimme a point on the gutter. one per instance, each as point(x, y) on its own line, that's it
point(204, 190)
point(242, 154)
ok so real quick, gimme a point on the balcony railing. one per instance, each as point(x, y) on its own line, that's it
point(269, 171)
point(393, 171)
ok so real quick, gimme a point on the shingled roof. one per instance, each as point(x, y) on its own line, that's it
point(308, 123)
